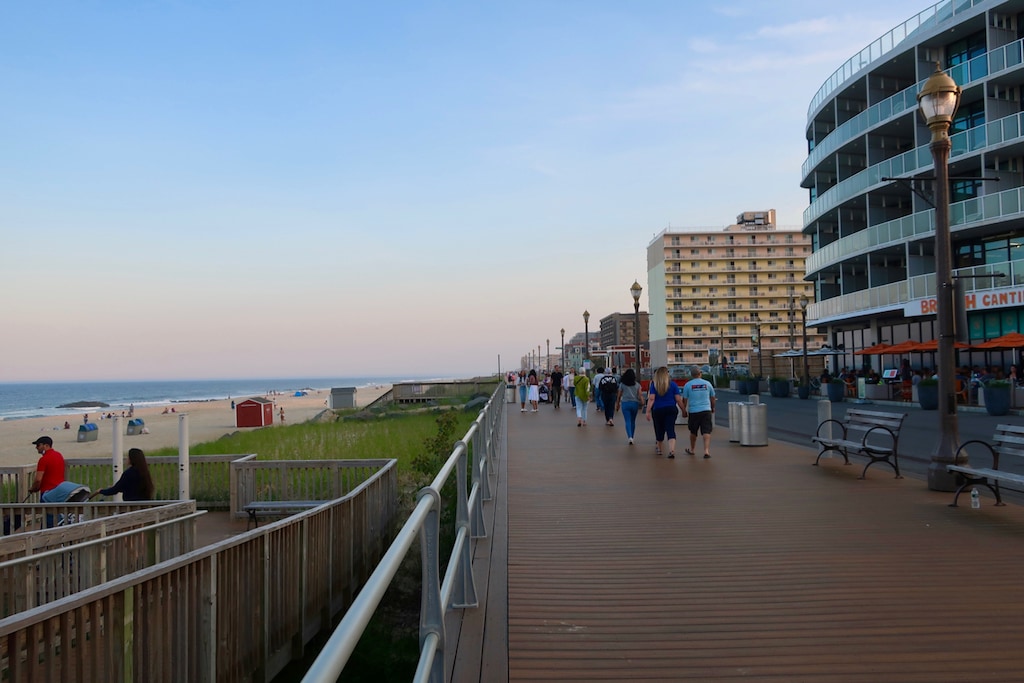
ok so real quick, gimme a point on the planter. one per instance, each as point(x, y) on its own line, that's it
point(779, 388)
point(803, 391)
point(753, 386)
point(997, 400)
point(836, 391)
point(928, 396)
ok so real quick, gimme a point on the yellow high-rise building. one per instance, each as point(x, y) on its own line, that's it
point(735, 292)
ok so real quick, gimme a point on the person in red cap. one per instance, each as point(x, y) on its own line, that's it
point(50, 470)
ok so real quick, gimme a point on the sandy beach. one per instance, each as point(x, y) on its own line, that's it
point(207, 421)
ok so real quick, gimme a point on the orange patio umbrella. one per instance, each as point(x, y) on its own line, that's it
point(873, 350)
point(933, 345)
point(1011, 340)
point(903, 347)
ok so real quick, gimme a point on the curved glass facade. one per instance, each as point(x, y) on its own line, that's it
point(869, 173)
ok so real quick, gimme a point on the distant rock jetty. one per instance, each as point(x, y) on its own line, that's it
point(85, 404)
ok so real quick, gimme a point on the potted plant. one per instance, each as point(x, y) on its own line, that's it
point(835, 389)
point(997, 396)
point(803, 390)
point(928, 393)
point(778, 387)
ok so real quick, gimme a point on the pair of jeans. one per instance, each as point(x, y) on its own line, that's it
point(664, 420)
point(629, 413)
point(608, 401)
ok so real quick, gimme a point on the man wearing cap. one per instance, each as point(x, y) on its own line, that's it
point(50, 470)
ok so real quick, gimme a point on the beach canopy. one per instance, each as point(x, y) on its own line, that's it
point(1011, 340)
point(874, 350)
point(792, 353)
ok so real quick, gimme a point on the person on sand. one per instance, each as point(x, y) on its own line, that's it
point(699, 410)
point(49, 470)
point(662, 401)
point(135, 482)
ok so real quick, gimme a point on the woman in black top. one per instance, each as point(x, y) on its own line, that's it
point(135, 483)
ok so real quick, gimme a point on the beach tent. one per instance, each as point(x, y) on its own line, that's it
point(300, 393)
point(254, 412)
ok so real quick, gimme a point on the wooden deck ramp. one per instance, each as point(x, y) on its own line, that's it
point(753, 566)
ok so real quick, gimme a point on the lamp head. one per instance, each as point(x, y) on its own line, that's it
point(938, 100)
point(586, 316)
point(804, 302)
point(562, 331)
point(636, 290)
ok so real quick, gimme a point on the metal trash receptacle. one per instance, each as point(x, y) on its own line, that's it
point(135, 426)
point(734, 421)
point(754, 424)
point(510, 393)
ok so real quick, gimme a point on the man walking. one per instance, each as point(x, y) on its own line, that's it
point(555, 392)
point(699, 410)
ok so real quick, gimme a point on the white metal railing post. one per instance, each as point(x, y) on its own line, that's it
point(431, 609)
point(480, 482)
point(465, 586)
point(183, 470)
point(117, 454)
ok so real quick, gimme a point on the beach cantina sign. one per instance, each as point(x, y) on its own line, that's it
point(973, 301)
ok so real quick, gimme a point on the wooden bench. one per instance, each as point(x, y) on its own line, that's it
point(1008, 440)
point(277, 508)
point(871, 433)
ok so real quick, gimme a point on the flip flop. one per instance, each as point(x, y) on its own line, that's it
point(689, 452)
point(707, 455)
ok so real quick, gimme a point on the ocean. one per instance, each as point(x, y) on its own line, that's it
point(43, 399)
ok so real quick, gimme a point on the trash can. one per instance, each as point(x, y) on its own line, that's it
point(88, 432)
point(754, 424)
point(510, 393)
point(734, 421)
point(135, 426)
point(342, 397)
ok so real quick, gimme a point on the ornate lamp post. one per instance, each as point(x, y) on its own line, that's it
point(547, 359)
point(586, 335)
point(563, 349)
point(803, 330)
point(756, 338)
point(636, 290)
point(938, 101)
point(792, 303)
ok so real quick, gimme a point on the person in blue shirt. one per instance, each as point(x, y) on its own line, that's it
point(699, 410)
point(662, 400)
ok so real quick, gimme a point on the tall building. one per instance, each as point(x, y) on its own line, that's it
point(712, 291)
point(867, 171)
point(619, 329)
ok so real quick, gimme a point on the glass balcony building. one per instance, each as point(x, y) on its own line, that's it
point(869, 176)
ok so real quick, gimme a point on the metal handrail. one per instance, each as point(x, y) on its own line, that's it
point(456, 589)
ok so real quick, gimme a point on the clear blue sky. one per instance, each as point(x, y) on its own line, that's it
point(228, 189)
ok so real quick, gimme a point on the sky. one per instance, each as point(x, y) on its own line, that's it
point(225, 189)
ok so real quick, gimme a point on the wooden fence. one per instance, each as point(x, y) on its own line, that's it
point(54, 563)
point(238, 610)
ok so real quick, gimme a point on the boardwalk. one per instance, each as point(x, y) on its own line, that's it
point(753, 565)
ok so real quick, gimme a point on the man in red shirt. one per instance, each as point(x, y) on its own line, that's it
point(50, 470)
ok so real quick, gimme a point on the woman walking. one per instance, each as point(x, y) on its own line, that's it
point(534, 387)
point(522, 390)
point(628, 402)
point(582, 392)
point(663, 405)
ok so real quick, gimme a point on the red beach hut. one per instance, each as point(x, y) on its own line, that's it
point(254, 412)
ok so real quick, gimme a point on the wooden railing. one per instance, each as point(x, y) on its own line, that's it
point(281, 480)
point(238, 610)
point(56, 563)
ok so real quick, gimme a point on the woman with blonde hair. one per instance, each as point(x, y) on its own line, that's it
point(663, 405)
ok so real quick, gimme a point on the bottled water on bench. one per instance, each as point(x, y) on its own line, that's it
point(975, 498)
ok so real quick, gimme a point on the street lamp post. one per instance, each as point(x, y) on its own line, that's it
point(938, 102)
point(803, 331)
point(563, 349)
point(636, 290)
point(586, 335)
point(547, 359)
point(792, 303)
point(757, 340)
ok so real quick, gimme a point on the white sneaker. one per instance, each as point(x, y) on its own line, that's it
point(522, 410)
point(630, 441)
